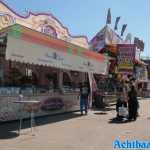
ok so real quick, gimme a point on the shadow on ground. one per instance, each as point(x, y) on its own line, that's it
point(8, 134)
point(104, 109)
point(100, 113)
point(9, 130)
point(118, 121)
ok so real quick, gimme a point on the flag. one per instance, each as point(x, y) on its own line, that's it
point(142, 45)
point(136, 40)
point(108, 21)
point(128, 38)
point(123, 29)
point(139, 43)
point(116, 23)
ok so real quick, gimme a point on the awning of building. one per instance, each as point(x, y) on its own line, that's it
point(28, 46)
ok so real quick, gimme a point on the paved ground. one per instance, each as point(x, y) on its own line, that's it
point(74, 132)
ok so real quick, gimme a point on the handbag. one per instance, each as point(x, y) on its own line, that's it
point(123, 111)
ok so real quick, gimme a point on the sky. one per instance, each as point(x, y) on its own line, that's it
point(87, 17)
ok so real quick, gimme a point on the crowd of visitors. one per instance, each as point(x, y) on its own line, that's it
point(127, 103)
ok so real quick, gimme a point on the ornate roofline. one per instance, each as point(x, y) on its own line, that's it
point(46, 14)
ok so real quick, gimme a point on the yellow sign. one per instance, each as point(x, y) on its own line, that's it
point(125, 66)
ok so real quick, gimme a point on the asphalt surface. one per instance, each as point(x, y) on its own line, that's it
point(96, 131)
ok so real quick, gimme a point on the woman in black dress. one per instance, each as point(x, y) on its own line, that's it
point(132, 103)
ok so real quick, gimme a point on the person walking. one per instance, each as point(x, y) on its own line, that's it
point(132, 103)
point(84, 95)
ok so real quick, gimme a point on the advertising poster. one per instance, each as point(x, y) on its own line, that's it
point(126, 57)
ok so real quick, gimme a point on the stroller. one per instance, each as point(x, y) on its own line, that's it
point(121, 108)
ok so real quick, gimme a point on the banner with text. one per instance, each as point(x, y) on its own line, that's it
point(126, 57)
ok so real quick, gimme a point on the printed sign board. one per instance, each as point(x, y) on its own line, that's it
point(126, 56)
